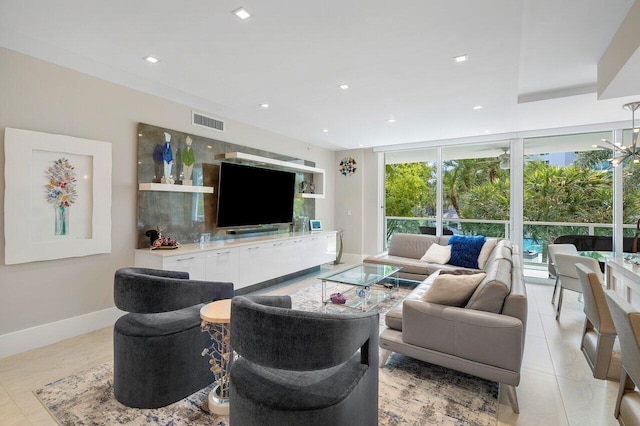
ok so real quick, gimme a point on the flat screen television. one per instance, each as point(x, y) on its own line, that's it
point(249, 195)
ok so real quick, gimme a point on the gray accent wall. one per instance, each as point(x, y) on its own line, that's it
point(40, 96)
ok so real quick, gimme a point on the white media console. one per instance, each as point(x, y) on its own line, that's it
point(245, 261)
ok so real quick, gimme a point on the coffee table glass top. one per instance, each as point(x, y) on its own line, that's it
point(364, 275)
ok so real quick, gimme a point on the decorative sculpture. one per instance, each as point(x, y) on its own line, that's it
point(167, 158)
point(188, 159)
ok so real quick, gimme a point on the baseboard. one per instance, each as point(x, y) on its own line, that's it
point(46, 334)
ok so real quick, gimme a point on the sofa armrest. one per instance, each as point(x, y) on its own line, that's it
point(484, 337)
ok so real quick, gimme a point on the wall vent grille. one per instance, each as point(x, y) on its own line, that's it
point(198, 119)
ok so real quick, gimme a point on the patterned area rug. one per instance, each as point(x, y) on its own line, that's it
point(411, 392)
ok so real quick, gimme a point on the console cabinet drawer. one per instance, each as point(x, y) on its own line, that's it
point(222, 265)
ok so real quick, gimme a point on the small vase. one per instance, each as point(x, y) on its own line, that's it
point(62, 220)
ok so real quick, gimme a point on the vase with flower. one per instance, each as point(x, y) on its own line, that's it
point(60, 191)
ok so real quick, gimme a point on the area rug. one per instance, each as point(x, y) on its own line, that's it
point(411, 392)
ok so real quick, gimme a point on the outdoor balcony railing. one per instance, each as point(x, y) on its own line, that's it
point(537, 235)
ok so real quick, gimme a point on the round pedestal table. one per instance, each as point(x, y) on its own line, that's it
point(215, 321)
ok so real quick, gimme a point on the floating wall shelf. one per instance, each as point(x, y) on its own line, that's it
point(318, 174)
point(307, 195)
point(174, 188)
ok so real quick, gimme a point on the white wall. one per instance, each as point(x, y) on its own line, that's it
point(358, 194)
point(36, 95)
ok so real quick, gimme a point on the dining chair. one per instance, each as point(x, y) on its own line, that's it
point(599, 333)
point(568, 275)
point(552, 249)
point(627, 323)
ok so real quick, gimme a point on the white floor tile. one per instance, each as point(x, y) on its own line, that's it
point(589, 403)
point(539, 399)
point(536, 355)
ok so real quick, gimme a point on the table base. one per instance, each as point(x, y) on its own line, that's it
point(217, 405)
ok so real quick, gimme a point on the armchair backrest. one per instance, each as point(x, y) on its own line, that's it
point(147, 291)
point(595, 304)
point(278, 337)
point(566, 267)
point(627, 322)
point(554, 249)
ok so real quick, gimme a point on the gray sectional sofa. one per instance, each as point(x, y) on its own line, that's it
point(405, 250)
point(484, 338)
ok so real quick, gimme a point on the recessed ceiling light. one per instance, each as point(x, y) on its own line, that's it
point(209, 146)
point(361, 145)
point(461, 58)
point(391, 120)
point(477, 107)
point(344, 86)
point(325, 130)
point(242, 13)
point(151, 59)
point(264, 105)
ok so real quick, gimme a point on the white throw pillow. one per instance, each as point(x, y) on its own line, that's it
point(437, 254)
point(486, 250)
point(453, 290)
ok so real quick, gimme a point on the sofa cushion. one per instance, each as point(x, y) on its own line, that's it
point(393, 317)
point(458, 271)
point(486, 251)
point(453, 290)
point(499, 252)
point(413, 246)
point(409, 265)
point(505, 243)
point(490, 294)
point(437, 254)
point(465, 250)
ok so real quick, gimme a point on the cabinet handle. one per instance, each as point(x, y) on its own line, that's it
point(223, 252)
point(254, 248)
point(297, 241)
point(314, 238)
point(185, 258)
point(277, 244)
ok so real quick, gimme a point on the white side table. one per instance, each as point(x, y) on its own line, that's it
point(216, 317)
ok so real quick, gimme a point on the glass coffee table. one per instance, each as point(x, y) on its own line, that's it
point(369, 284)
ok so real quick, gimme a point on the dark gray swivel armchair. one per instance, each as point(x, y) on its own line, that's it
point(302, 368)
point(158, 344)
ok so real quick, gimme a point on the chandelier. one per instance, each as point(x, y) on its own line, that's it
point(621, 152)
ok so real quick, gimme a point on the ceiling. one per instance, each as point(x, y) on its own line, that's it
point(533, 64)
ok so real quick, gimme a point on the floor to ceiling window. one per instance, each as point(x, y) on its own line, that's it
point(410, 191)
point(568, 190)
point(475, 189)
point(474, 185)
point(567, 187)
point(630, 191)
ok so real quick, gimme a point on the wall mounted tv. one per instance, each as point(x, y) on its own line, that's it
point(249, 195)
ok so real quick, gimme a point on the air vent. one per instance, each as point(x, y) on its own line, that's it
point(204, 121)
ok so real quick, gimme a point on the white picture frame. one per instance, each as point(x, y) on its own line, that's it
point(315, 225)
point(35, 194)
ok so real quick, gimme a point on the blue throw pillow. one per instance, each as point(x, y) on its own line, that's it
point(465, 250)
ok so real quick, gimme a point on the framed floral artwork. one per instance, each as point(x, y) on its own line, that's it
point(57, 200)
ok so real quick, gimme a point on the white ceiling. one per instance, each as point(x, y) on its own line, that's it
point(532, 63)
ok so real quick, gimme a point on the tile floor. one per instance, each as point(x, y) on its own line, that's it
point(557, 387)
